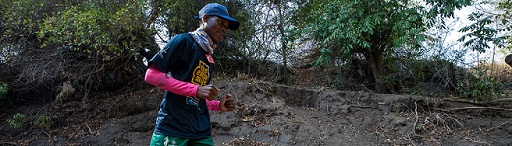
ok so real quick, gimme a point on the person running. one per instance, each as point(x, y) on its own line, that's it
point(183, 68)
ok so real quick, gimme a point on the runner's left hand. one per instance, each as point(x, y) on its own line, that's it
point(227, 104)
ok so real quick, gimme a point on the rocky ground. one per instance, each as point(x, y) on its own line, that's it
point(271, 114)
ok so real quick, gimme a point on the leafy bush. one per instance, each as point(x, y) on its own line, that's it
point(488, 82)
point(43, 122)
point(427, 77)
point(481, 90)
point(107, 30)
point(100, 44)
point(17, 120)
point(3, 91)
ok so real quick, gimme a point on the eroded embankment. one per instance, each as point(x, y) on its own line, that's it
point(271, 114)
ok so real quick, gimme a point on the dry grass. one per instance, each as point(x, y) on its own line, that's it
point(500, 72)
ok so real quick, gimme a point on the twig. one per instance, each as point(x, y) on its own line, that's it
point(264, 91)
point(416, 112)
point(360, 106)
point(11, 143)
point(439, 117)
point(444, 110)
point(490, 129)
point(47, 134)
point(90, 131)
point(460, 124)
point(233, 91)
point(364, 87)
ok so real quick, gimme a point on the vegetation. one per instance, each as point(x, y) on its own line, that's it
point(68, 54)
point(3, 91)
point(94, 46)
point(68, 49)
point(43, 122)
point(17, 120)
point(373, 29)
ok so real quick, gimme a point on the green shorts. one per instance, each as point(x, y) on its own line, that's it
point(162, 140)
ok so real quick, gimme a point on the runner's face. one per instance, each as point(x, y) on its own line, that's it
point(216, 27)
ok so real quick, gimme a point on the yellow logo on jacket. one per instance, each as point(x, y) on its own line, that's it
point(201, 74)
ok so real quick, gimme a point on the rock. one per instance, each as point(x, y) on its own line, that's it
point(400, 121)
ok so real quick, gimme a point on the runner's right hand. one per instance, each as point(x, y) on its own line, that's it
point(208, 92)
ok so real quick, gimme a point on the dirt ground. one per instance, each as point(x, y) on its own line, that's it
point(271, 114)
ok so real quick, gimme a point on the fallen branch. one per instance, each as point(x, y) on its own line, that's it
point(501, 100)
point(465, 108)
point(490, 129)
point(464, 101)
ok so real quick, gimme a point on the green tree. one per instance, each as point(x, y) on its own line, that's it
point(170, 17)
point(92, 44)
point(272, 38)
point(372, 28)
point(506, 6)
point(490, 27)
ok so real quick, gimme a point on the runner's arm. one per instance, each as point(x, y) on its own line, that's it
point(161, 80)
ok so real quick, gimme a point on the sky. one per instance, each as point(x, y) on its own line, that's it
point(454, 35)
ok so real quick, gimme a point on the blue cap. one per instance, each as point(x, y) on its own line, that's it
point(221, 11)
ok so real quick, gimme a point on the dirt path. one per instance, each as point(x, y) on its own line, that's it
point(270, 114)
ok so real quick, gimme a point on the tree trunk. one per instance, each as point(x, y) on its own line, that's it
point(284, 47)
point(375, 61)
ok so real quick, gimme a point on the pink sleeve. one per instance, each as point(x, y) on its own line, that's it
point(213, 105)
point(159, 79)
